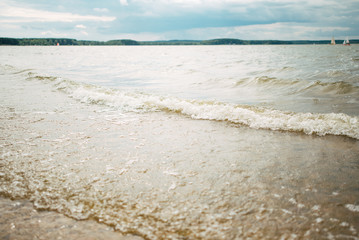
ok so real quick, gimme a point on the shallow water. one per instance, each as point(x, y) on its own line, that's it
point(154, 169)
point(311, 89)
point(20, 221)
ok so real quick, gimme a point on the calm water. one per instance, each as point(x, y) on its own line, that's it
point(186, 142)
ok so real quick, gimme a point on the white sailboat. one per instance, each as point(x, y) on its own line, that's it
point(346, 42)
point(333, 41)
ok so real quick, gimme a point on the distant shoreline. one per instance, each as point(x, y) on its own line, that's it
point(129, 42)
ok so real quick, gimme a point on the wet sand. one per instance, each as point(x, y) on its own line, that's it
point(19, 220)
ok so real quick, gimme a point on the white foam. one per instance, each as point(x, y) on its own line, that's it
point(352, 207)
point(252, 116)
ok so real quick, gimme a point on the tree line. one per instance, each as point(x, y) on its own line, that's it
point(61, 41)
point(221, 41)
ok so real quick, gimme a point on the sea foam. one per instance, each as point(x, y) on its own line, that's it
point(251, 116)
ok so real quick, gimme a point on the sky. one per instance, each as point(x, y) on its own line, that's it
point(149, 20)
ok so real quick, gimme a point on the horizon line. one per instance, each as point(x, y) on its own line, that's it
point(219, 38)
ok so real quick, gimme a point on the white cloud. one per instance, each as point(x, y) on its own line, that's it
point(102, 10)
point(274, 31)
point(10, 14)
point(53, 34)
point(183, 19)
point(124, 2)
point(80, 26)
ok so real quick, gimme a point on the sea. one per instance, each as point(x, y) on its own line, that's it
point(181, 142)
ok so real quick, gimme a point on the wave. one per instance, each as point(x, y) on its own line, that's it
point(251, 116)
point(295, 85)
point(266, 81)
point(340, 87)
point(279, 70)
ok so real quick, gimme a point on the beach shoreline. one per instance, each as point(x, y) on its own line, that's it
point(162, 175)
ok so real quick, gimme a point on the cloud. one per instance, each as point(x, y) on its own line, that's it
point(250, 10)
point(84, 33)
point(272, 31)
point(11, 14)
point(286, 31)
point(123, 2)
point(181, 19)
point(53, 34)
point(101, 10)
point(313, 18)
point(80, 26)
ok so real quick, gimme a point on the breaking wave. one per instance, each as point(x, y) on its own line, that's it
point(252, 116)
